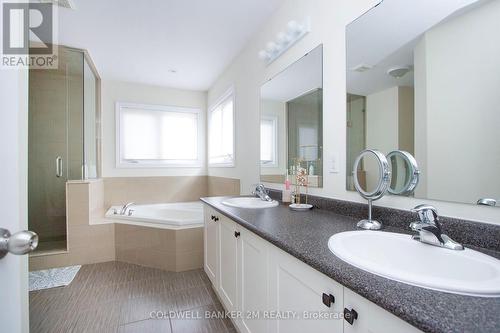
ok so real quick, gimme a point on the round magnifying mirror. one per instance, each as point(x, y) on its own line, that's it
point(371, 174)
point(404, 172)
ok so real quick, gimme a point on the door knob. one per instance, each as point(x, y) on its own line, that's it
point(19, 243)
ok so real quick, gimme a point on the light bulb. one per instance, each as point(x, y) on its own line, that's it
point(282, 38)
point(293, 27)
point(263, 54)
point(271, 47)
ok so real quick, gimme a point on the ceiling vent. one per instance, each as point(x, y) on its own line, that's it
point(399, 72)
point(70, 4)
point(361, 68)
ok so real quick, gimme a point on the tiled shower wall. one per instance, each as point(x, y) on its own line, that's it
point(168, 249)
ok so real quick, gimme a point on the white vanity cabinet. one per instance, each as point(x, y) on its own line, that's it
point(261, 281)
point(228, 262)
point(295, 288)
point(371, 318)
point(253, 282)
point(210, 241)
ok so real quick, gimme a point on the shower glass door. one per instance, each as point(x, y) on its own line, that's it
point(55, 145)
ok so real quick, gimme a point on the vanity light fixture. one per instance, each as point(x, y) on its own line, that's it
point(284, 40)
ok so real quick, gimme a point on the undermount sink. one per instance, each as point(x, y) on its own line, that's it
point(398, 257)
point(249, 202)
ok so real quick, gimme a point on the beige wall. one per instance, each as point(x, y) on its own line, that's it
point(115, 91)
point(247, 73)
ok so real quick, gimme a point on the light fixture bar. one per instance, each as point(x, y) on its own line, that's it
point(295, 31)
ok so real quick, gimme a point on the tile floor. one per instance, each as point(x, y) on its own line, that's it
point(119, 297)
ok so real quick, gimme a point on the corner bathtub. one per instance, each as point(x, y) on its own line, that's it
point(177, 215)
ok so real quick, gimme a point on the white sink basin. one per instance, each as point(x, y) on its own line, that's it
point(398, 257)
point(248, 202)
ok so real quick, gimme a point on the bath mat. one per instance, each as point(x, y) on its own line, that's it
point(51, 278)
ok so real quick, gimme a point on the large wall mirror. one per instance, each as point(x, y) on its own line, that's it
point(424, 77)
point(291, 121)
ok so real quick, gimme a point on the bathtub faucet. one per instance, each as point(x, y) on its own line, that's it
point(125, 207)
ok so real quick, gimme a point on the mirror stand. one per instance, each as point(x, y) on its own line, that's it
point(369, 224)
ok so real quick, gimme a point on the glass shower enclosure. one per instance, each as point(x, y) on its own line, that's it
point(63, 141)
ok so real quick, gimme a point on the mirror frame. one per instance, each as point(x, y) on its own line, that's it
point(411, 162)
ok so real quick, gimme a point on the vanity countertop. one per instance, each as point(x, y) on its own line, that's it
point(428, 310)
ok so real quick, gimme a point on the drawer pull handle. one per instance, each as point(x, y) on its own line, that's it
point(350, 315)
point(328, 299)
point(237, 234)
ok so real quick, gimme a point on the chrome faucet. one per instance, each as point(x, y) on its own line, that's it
point(487, 202)
point(429, 229)
point(125, 207)
point(261, 192)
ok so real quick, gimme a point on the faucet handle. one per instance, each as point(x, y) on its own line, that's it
point(426, 213)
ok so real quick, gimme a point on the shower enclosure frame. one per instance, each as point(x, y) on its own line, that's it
point(88, 66)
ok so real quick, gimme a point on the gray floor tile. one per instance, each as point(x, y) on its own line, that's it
point(116, 296)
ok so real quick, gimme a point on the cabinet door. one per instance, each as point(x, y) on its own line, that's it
point(210, 238)
point(253, 282)
point(297, 289)
point(371, 318)
point(228, 263)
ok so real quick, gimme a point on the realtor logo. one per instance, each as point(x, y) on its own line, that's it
point(28, 35)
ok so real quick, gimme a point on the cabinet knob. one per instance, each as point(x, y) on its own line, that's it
point(237, 234)
point(328, 299)
point(212, 217)
point(216, 219)
point(350, 315)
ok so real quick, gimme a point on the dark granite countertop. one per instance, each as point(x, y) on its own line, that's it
point(305, 236)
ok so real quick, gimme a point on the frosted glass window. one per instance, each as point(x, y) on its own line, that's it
point(158, 135)
point(268, 141)
point(221, 133)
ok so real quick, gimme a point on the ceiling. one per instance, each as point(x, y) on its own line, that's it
point(176, 43)
point(386, 36)
point(300, 77)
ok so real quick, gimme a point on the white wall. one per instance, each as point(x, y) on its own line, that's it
point(382, 120)
point(247, 73)
point(461, 113)
point(114, 91)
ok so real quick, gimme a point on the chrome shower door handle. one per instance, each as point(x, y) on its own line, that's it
point(59, 167)
point(21, 242)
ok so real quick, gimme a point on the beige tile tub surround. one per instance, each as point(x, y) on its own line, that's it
point(146, 190)
point(171, 250)
point(219, 186)
point(174, 250)
point(86, 243)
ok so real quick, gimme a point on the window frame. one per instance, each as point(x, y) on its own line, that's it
point(275, 162)
point(229, 94)
point(133, 164)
